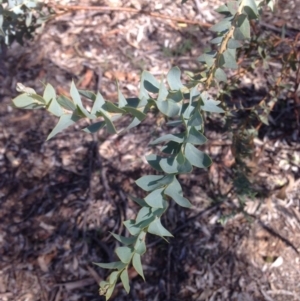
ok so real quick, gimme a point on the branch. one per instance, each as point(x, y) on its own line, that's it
point(126, 9)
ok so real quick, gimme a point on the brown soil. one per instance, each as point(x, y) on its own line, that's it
point(60, 198)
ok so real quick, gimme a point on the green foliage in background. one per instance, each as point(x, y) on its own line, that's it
point(184, 106)
point(20, 19)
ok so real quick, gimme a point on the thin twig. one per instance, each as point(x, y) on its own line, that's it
point(129, 10)
point(76, 284)
point(169, 273)
point(282, 292)
point(297, 81)
point(276, 29)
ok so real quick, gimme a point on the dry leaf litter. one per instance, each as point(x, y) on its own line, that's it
point(60, 198)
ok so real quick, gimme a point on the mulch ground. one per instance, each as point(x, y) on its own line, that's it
point(61, 198)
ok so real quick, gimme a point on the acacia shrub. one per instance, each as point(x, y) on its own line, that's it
point(184, 106)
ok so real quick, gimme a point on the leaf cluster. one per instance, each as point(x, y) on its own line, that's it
point(183, 105)
point(19, 19)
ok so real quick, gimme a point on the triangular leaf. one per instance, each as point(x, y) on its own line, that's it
point(75, 95)
point(243, 24)
point(171, 148)
point(175, 96)
point(66, 103)
point(39, 98)
point(135, 122)
point(173, 78)
point(180, 200)
point(228, 59)
point(220, 75)
point(162, 93)
point(124, 253)
point(140, 245)
point(131, 227)
point(124, 240)
point(154, 161)
point(233, 44)
point(195, 137)
point(155, 198)
point(169, 137)
point(222, 26)
point(233, 7)
point(150, 83)
point(217, 40)
point(21, 88)
point(109, 124)
point(113, 277)
point(55, 108)
point(171, 166)
point(174, 190)
point(134, 102)
point(110, 291)
point(112, 108)
point(136, 113)
point(24, 101)
point(158, 229)
point(222, 9)
point(88, 94)
point(65, 121)
point(180, 158)
point(151, 182)
point(207, 58)
point(271, 4)
point(194, 93)
point(197, 157)
point(95, 127)
point(184, 166)
point(121, 98)
point(111, 265)
point(144, 214)
point(168, 107)
point(144, 223)
point(250, 8)
point(137, 264)
point(209, 104)
point(84, 113)
point(125, 280)
point(174, 123)
point(139, 201)
point(49, 93)
point(98, 103)
point(196, 120)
